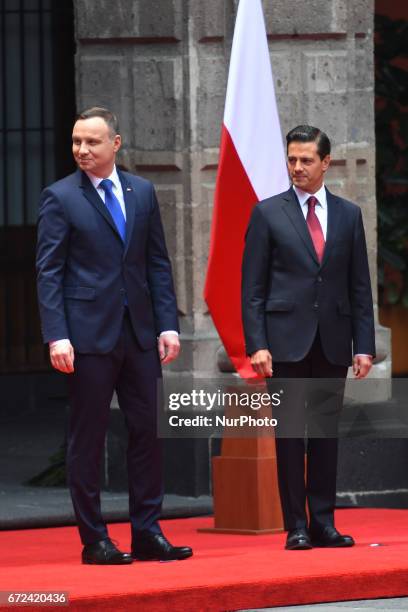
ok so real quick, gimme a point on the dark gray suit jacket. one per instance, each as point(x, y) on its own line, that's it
point(287, 295)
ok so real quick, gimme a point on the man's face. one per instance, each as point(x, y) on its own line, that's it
point(305, 167)
point(94, 147)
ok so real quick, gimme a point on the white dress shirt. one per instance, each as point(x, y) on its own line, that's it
point(118, 191)
point(321, 206)
point(116, 188)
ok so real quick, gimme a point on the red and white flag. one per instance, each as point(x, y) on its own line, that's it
point(251, 167)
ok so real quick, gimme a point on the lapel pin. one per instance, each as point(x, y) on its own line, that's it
point(129, 189)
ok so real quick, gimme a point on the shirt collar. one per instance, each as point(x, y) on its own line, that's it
point(96, 180)
point(320, 196)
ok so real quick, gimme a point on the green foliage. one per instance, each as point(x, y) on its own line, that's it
point(392, 165)
point(54, 475)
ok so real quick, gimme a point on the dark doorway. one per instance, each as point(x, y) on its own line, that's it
point(37, 104)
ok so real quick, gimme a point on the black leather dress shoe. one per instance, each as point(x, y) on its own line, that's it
point(104, 552)
point(154, 546)
point(298, 539)
point(329, 537)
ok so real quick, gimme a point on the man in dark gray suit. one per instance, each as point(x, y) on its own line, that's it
point(307, 308)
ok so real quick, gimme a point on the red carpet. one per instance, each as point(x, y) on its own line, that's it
point(226, 572)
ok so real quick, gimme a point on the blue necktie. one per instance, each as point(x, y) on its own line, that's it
point(113, 205)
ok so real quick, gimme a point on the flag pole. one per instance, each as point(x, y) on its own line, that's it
point(251, 167)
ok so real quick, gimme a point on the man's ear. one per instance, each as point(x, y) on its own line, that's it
point(117, 142)
point(326, 162)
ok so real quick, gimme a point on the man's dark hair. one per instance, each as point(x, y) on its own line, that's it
point(308, 133)
point(105, 114)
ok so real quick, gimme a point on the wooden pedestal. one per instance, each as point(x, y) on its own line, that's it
point(246, 497)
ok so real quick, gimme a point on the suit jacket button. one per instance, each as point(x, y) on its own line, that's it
point(319, 278)
point(316, 305)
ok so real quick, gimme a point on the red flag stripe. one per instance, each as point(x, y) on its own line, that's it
point(233, 203)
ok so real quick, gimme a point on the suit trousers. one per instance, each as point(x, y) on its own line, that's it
point(302, 411)
point(135, 375)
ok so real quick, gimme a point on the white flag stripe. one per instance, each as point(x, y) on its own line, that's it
point(251, 115)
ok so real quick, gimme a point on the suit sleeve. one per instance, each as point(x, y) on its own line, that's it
point(52, 244)
point(360, 294)
point(159, 274)
point(255, 273)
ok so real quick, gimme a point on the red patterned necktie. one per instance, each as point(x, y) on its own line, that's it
point(315, 228)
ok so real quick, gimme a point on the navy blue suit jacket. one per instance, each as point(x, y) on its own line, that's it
point(287, 294)
point(86, 272)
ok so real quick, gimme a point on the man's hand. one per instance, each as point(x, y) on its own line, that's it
point(362, 365)
point(169, 347)
point(261, 361)
point(62, 356)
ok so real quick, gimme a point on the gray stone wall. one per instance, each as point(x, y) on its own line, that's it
point(162, 66)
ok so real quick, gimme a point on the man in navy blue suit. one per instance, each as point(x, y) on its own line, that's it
point(308, 313)
point(109, 314)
